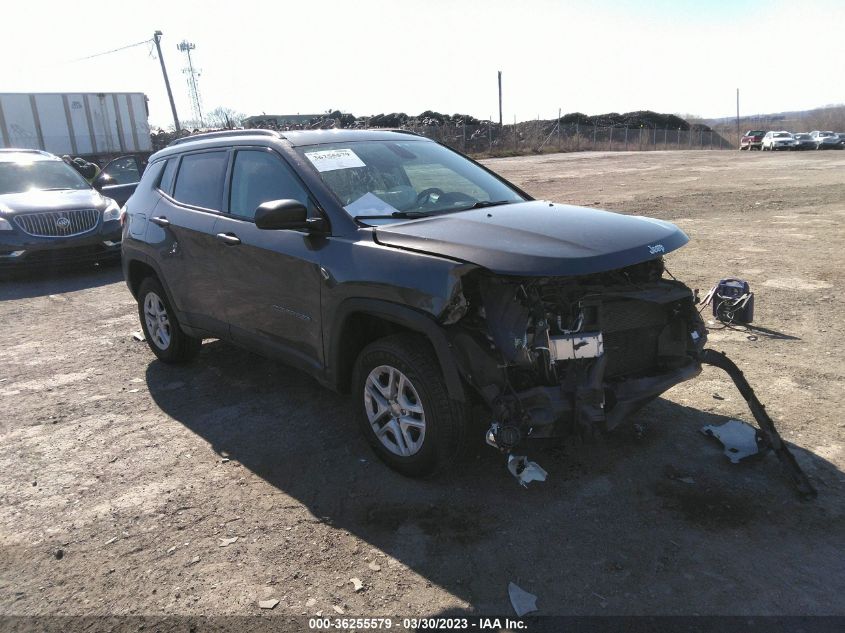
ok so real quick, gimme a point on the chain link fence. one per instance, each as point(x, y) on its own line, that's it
point(495, 140)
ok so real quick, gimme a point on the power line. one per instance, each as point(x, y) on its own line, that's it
point(114, 50)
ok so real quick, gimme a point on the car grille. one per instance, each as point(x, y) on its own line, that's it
point(631, 330)
point(58, 223)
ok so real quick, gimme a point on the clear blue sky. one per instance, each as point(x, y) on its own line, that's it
point(371, 56)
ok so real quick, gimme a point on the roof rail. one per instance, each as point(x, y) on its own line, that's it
point(224, 134)
point(396, 129)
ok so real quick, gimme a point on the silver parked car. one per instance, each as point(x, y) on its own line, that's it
point(825, 140)
point(776, 140)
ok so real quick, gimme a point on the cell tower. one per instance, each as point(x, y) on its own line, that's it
point(192, 74)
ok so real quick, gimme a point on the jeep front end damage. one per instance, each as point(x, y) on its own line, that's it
point(553, 356)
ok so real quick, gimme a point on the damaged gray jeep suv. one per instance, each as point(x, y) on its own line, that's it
point(395, 269)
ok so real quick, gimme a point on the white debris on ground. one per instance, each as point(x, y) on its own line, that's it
point(739, 438)
point(521, 601)
point(525, 471)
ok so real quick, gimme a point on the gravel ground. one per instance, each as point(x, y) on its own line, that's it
point(125, 481)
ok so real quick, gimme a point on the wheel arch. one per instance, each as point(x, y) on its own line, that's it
point(136, 269)
point(359, 322)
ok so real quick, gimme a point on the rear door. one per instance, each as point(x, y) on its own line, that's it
point(270, 280)
point(181, 228)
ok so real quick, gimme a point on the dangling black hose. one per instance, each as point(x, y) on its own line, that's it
point(787, 459)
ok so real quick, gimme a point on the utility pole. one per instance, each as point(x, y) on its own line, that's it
point(157, 38)
point(196, 103)
point(738, 137)
point(500, 98)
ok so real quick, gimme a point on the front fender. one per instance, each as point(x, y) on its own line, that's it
point(404, 316)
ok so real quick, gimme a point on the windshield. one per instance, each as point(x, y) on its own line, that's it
point(383, 180)
point(755, 133)
point(23, 176)
point(783, 135)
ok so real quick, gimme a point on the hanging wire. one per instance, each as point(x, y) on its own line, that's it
point(114, 50)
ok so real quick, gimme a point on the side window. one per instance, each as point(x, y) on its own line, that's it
point(124, 171)
point(166, 182)
point(151, 175)
point(259, 177)
point(199, 182)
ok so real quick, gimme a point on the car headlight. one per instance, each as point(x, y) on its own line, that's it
point(112, 212)
point(5, 225)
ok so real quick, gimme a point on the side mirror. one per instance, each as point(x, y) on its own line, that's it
point(281, 214)
point(102, 181)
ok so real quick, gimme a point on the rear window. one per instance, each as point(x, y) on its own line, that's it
point(166, 182)
point(199, 182)
point(151, 175)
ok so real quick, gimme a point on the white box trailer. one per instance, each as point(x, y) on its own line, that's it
point(96, 125)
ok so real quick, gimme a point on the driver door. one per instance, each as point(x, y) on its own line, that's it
point(269, 279)
point(119, 177)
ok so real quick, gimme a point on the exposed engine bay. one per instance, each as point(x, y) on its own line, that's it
point(551, 355)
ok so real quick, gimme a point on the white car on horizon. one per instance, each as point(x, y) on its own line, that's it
point(776, 140)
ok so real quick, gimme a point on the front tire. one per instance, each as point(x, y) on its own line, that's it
point(161, 328)
point(403, 406)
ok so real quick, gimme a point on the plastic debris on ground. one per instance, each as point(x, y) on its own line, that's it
point(740, 439)
point(521, 601)
point(268, 604)
point(525, 471)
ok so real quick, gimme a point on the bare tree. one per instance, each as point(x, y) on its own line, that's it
point(223, 117)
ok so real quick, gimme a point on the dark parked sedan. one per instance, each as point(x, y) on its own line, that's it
point(50, 215)
point(803, 141)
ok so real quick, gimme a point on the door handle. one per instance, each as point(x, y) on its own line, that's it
point(229, 239)
point(160, 220)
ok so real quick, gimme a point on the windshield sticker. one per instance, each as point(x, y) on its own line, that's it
point(333, 159)
point(370, 204)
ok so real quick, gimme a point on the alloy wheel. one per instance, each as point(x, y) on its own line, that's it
point(157, 321)
point(394, 410)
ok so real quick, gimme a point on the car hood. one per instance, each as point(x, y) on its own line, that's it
point(63, 200)
point(537, 238)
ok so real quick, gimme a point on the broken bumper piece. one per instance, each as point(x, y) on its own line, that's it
point(524, 470)
point(739, 439)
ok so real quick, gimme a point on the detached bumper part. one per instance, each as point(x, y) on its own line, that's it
point(739, 439)
point(524, 470)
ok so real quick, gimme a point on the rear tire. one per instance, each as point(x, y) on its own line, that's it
point(403, 406)
point(161, 328)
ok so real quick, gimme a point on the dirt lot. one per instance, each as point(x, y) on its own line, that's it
point(136, 470)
